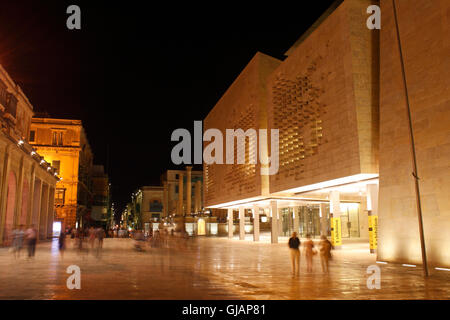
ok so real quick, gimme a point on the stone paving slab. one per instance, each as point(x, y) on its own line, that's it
point(207, 268)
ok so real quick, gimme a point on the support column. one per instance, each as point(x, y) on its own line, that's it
point(230, 223)
point(50, 213)
point(4, 188)
point(180, 194)
point(19, 192)
point(198, 196)
point(280, 222)
point(323, 220)
point(274, 215)
point(188, 190)
point(296, 219)
point(255, 223)
point(335, 220)
point(165, 199)
point(372, 211)
point(31, 206)
point(241, 223)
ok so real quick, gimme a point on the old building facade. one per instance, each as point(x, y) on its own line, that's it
point(64, 143)
point(27, 185)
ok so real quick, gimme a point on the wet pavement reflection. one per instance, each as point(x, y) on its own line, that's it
point(206, 268)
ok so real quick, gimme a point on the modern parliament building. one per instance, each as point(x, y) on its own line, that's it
point(361, 114)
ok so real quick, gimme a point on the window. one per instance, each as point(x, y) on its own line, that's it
point(56, 164)
point(32, 135)
point(60, 138)
point(60, 196)
point(54, 135)
point(57, 138)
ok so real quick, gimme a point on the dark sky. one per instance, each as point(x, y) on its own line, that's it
point(134, 73)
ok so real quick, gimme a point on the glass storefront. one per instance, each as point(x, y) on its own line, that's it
point(350, 220)
point(309, 220)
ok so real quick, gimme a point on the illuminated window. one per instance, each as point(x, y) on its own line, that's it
point(57, 138)
point(56, 164)
point(60, 194)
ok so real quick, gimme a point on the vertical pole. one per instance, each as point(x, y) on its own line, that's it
point(413, 149)
point(274, 214)
point(230, 223)
point(188, 191)
point(296, 220)
point(255, 223)
point(241, 223)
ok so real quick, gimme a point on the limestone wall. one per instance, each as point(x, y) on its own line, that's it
point(425, 38)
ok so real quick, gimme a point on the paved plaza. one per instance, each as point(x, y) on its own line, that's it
point(207, 268)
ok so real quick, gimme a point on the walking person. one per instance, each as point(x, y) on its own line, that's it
point(62, 243)
point(325, 253)
point(100, 235)
point(91, 235)
point(309, 252)
point(18, 237)
point(294, 244)
point(31, 238)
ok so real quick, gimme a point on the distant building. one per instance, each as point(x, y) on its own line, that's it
point(27, 181)
point(182, 192)
point(101, 207)
point(64, 144)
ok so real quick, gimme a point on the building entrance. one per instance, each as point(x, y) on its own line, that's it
point(309, 221)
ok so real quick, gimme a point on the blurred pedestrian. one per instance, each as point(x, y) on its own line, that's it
point(294, 244)
point(325, 253)
point(309, 252)
point(31, 239)
point(91, 237)
point(18, 237)
point(62, 243)
point(100, 234)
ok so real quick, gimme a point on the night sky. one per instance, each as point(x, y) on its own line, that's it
point(134, 73)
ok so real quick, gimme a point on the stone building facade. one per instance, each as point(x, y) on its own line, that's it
point(328, 131)
point(63, 142)
point(182, 192)
point(101, 206)
point(27, 184)
point(424, 35)
point(362, 116)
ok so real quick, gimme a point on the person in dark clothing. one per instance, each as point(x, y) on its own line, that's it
point(294, 244)
point(62, 243)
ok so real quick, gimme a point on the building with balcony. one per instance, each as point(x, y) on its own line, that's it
point(64, 144)
point(28, 181)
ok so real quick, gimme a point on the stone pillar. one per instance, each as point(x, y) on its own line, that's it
point(188, 190)
point(372, 212)
point(296, 220)
point(50, 213)
point(335, 212)
point(230, 223)
point(198, 196)
point(180, 194)
point(255, 223)
point(323, 220)
point(31, 200)
point(19, 194)
point(3, 191)
point(274, 215)
point(280, 222)
point(165, 199)
point(241, 223)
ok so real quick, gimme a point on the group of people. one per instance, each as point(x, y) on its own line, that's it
point(324, 251)
point(21, 237)
point(159, 239)
point(93, 236)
